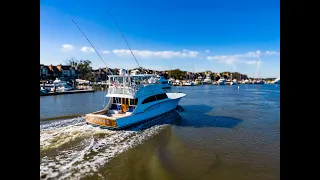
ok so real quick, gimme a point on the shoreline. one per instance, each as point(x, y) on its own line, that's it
point(67, 92)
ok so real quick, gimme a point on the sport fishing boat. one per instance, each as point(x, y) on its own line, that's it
point(133, 99)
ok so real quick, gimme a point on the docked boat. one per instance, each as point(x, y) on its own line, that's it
point(82, 82)
point(222, 81)
point(233, 82)
point(246, 81)
point(133, 99)
point(207, 80)
point(188, 83)
point(61, 86)
point(176, 83)
point(258, 82)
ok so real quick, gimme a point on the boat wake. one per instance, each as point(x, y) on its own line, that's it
point(61, 123)
point(70, 149)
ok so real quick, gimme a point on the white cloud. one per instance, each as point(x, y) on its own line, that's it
point(207, 51)
point(67, 47)
point(230, 60)
point(105, 52)
point(257, 53)
point(246, 58)
point(156, 54)
point(250, 62)
point(271, 53)
point(87, 49)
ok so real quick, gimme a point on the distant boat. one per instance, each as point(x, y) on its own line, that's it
point(61, 86)
point(133, 99)
point(259, 82)
point(246, 81)
point(222, 81)
point(164, 83)
point(188, 83)
point(207, 80)
point(82, 82)
point(176, 83)
point(277, 81)
point(234, 81)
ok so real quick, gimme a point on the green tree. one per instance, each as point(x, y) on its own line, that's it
point(83, 67)
point(177, 74)
point(72, 62)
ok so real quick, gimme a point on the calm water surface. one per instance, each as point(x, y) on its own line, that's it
point(221, 132)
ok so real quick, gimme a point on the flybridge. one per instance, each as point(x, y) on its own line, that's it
point(133, 85)
point(128, 86)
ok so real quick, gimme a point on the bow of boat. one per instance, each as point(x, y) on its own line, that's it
point(176, 95)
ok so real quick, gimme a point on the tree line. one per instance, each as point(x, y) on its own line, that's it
point(84, 71)
point(83, 67)
point(182, 75)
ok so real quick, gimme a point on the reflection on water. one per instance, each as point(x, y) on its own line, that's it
point(219, 132)
point(193, 112)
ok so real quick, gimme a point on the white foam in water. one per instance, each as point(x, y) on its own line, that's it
point(86, 149)
point(61, 123)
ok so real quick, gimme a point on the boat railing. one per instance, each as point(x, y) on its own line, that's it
point(121, 90)
point(127, 89)
point(129, 85)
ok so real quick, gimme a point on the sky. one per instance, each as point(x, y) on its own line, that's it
point(193, 35)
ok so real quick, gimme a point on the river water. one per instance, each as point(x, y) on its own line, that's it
point(219, 132)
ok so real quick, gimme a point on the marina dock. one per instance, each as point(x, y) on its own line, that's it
point(67, 92)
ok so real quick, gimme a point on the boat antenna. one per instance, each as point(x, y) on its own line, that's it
point(90, 43)
point(125, 40)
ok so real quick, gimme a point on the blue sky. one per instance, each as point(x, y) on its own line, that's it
point(193, 35)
